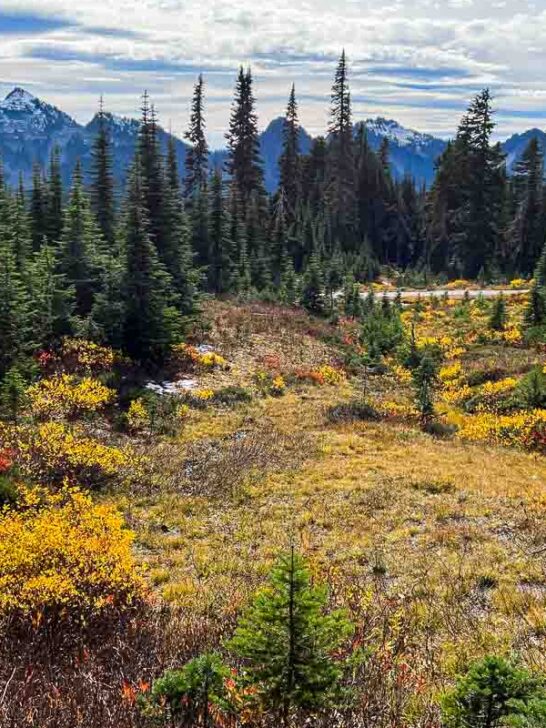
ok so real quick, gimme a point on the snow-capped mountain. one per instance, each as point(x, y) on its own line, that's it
point(515, 146)
point(31, 128)
point(410, 151)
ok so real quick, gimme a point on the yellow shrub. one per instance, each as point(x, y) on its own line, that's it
point(189, 354)
point(63, 555)
point(518, 283)
point(83, 355)
point(66, 396)
point(204, 394)
point(52, 452)
point(137, 415)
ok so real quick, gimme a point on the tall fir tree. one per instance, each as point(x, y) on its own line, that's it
point(244, 164)
point(146, 332)
point(197, 156)
point(38, 208)
point(80, 245)
point(152, 176)
point(527, 231)
point(178, 253)
point(290, 159)
point(54, 199)
point(16, 333)
point(221, 272)
point(341, 174)
point(102, 180)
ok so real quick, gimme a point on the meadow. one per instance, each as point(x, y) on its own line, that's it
point(424, 520)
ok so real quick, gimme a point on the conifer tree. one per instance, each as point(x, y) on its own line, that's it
point(286, 640)
point(177, 252)
point(256, 243)
point(197, 156)
point(17, 232)
point(527, 230)
point(498, 318)
point(38, 209)
point(280, 261)
point(151, 175)
point(16, 333)
point(312, 296)
point(102, 180)
point(535, 313)
point(222, 268)
point(108, 312)
point(341, 177)
point(244, 163)
point(290, 160)
point(79, 246)
point(146, 332)
point(54, 199)
point(242, 279)
point(52, 298)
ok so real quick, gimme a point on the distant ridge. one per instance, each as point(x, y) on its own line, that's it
point(30, 128)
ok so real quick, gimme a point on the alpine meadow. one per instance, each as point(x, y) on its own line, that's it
point(272, 413)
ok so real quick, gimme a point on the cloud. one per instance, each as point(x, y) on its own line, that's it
point(420, 60)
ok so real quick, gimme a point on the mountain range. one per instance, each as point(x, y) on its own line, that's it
point(30, 128)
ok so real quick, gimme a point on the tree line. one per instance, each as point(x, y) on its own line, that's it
point(130, 274)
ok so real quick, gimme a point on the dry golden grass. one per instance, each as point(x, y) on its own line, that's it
point(436, 546)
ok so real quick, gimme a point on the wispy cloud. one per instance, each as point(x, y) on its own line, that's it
point(420, 60)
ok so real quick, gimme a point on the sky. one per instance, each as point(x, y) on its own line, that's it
point(417, 61)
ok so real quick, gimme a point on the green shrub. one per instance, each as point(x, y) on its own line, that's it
point(187, 697)
point(494, 693)
point(531, 390)
point(232, 395)
point(355, 411)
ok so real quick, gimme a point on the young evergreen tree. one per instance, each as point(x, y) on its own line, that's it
point(498, 318)
point(535, 313)
point(197, 156)
point(193, 695)
point(102, 180)
point(312, 296)
point(290, 159)
point(494, 693)
point(12, 394)
point(286, 640)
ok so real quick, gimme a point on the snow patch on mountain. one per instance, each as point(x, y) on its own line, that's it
point(397, 134)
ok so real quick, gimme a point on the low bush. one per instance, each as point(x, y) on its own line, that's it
point(232, 395)
point(64, 558)
point(355, 411)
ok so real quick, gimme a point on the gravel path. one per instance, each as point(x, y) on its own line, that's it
point(456, 293)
